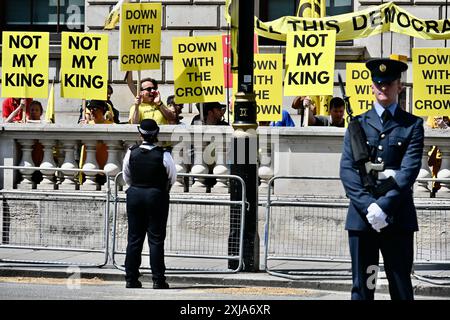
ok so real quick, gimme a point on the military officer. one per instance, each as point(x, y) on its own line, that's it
point(384, 223)
point(150, 172)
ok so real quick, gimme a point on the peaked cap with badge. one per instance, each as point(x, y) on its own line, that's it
point(385, 69)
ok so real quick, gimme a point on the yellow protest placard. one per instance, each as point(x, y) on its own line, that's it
point(84, 65)
point(267, 84)
point(25, 64)
point(359, 87)
point(431, 78)
point(310, 59)
point(140, 36)
point(198, 69)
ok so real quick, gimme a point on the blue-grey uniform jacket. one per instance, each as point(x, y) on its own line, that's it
point(399, 145)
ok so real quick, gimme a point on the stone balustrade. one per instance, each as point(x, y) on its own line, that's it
point(311, 151)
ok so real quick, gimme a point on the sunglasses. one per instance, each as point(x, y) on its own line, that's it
point(150, 89)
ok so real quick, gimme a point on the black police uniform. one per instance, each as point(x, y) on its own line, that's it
point(147, 210)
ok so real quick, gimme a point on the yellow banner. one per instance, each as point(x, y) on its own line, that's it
point(140, 36)
point(198, 69)
point(25, 64)
point(309, 8)
point(359, 87)
point(431, 78)
point(84, 65)
point(365, 23)
point(267, 84)
point(310, 63)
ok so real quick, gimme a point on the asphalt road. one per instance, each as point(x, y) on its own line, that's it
point(25, 288)
point(182, 301)
point(29, 288)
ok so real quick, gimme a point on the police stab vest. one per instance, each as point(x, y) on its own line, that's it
point(147, 168)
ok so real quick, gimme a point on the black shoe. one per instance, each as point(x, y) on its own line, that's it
point(160, 285)
point(133, 284)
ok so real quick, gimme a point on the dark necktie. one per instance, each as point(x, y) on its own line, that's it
point(386, 116)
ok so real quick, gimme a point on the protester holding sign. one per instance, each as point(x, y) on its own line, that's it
point(148, 105)
point(12, 109)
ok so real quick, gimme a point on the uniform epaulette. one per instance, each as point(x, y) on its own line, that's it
point(134, 147)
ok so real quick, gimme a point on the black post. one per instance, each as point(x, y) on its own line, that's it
point(244, 142)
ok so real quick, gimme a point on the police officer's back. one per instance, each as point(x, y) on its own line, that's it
point(150, 172)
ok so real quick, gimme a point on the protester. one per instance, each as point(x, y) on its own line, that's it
point(336, 117)
point(385, 220)
point(286, 120)
point(112, 114)
point(176, 108)
point(148, 105)
point(150, 172)
point(213, 114)
point(12, 109)
point(302, 104)
point(36, 112)
point(97, 110)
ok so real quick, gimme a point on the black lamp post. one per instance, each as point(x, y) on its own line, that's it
point(244, 142)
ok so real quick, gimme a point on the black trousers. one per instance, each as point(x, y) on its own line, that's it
point(397, 249)
point(147, 211)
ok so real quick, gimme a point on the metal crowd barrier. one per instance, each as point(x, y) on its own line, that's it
point(311, 229)
point(204, 233)
point(47, 227)
point(432, 251)
point(302, 230)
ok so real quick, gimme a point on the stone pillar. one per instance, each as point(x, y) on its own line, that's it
point(444, 173)
point(48, 162)
point(220, 168)
point(422, 188)
point(265, 172)
point(26, 161)
point(113, 166)
point(90, 164)
point(68, 182)
point(199, 167)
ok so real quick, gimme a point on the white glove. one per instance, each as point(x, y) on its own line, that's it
point(386, 174)
point(376, 217)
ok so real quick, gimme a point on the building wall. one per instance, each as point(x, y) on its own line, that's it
point(206, 17)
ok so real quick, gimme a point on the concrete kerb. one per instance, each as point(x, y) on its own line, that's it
point(242, 279)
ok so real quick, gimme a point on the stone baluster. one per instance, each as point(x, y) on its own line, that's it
point(113, 166)
point(265, 171)
point(444, 172)
point(220, 167)
point(199, 167)
point(422, 189)
point(48, 163)
point(26, 161)
point(68, 182)
point(178, 154)
point(90, 164)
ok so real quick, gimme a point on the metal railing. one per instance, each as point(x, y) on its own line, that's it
point(198, 227)
point(45, 227)
point(312, 229)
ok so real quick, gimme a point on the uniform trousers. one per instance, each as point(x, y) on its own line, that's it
point(397, 248)
point(147, 211)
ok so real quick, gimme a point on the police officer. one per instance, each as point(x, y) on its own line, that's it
point(150, 172)
point(384, 223)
